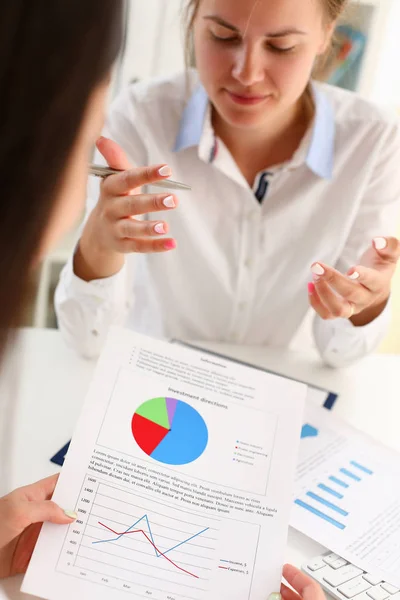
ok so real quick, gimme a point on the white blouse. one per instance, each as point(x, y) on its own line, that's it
point(240, 272)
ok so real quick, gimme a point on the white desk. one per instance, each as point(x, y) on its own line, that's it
point(53, 383)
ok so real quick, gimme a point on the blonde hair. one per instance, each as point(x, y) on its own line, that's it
point(333, 9)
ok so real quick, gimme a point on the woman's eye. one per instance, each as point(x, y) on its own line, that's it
point(225, 38)
point(280, 50)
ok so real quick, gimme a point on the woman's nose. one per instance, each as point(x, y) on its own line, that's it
point(249, 66)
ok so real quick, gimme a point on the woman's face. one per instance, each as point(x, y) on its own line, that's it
point(72, 194)
point(255, 57)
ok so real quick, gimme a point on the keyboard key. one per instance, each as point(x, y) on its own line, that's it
point(389, 588)
point(334, 561)
point(339, 562)
point(354, 587)
point(378, 593)
point(362, 596)
point(316, 564)
point(372, 579)
point(329, 558)
point(339, 576)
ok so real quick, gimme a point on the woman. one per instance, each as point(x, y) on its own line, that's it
point(286, 174)
point(58, 55)
point(55, 63)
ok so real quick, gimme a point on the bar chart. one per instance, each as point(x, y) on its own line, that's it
point(328, 502)
point(347, 494)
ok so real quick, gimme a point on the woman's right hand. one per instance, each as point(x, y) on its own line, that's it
point(114, 228)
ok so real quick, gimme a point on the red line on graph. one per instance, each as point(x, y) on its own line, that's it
point(226, 568)
point(154, 546)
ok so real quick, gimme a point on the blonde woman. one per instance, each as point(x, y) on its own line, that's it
point(44, 151)
point(296, 193)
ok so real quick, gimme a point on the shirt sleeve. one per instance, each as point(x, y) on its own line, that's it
point(339, 342)
point(86, 310)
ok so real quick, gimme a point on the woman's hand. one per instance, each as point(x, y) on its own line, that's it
point(306, 588)
point(21, 516)
point(114, 227)
point(361, 294)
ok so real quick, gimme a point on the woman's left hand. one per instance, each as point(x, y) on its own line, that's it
point(361, 294)
point(21, 516)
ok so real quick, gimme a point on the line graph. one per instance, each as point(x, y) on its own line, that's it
point(138, 541)
point(150, 539)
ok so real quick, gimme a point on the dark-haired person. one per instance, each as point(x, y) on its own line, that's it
point(291, 179)
point(55, 61)
point(55, 65)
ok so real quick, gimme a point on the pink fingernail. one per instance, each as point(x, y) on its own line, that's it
point(380, 243)
point(169, 202)
point(311, 289)
point(159, 228)
point(354, 275)
point(170, 244)
point(317, 269)
point(165, 171)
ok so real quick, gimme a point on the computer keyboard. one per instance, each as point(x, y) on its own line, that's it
point(343, 580)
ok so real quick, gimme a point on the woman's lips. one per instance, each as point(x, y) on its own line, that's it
point(246, 99)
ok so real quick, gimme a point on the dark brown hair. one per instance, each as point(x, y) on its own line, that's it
point(52, 55)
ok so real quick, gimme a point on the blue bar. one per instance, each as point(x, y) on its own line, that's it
point(350, 474)
point(320, 514)
point(358, 466)
point(339, 482)
point(329, 490)
point(328, 504)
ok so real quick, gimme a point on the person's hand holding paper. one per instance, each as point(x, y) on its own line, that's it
point(22, 513)
point(175, 470)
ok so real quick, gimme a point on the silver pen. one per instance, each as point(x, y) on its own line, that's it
point(100, 171)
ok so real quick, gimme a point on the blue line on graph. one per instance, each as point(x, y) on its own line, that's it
point(328, 504)
point(338, 481)
point(185, 541)
point(320, 514)
point(329, 490)
point(145, 518)
point(350, 474)
point(222, 560)
point(358, 466)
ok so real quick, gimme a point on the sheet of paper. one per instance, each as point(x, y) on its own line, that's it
point(317, 395)
point(181, 470)
point(347, 494)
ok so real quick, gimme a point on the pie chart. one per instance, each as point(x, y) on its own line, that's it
point(169, 431)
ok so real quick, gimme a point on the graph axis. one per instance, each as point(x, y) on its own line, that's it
point(184, 596)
